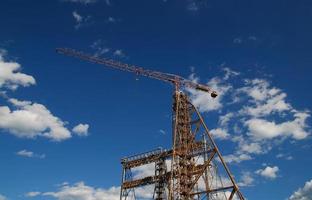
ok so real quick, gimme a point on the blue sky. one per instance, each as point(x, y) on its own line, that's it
point(65, 123)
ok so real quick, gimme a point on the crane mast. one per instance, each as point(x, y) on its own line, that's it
point(193, 172)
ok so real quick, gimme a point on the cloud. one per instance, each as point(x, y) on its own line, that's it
point(229, 73)
point(100, 48)
point(236, 158)
point(108, 2)
point(286, 157)
point(143, 171)
point(81, 191)
point(3, 53)
point(240, 40)
point(163, 132)
point(10, 77)
point(26, 119)
point(29, 154)
point(31, 120)
point(111, 20)
point(237, 40)
point(81, 129)
point(259, 117)
point(81, 1)
point(195, 5)
point(192, 6)
point(219, 133)
point(266, 100)
point(80, 20)
point(265, 129)
point(252, 37)
point(119, 53)
point(266, 115)
point(252, 147)
point(25, 153)
point(224, 119)
point(304, 193)
point(77, 17)
point(2, 197)
point(246, 180)
point(19, 103)
point(32, 194)
point(268, 172)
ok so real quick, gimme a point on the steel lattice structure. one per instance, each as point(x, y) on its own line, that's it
point(193, 168)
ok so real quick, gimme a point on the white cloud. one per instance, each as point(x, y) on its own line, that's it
point(3, 53)
point(268, 172)
point(29, 154)
point(108, 2)
point(246, 180)
point(229, 72)
point(2, 197)
point(236, 158)
point(163, 132)
point(264, 129)
point(252, 37)
point(193, 6)
point(304, 193)
point(10, 77)
point(266, 100)
point(25, 153)
point(219, 133)
point(252, 147)
point(222, 196)
point(31, 120)
point(100, 48)
point(32, 194)
point(259, 89)
point(259, 120)
point(237, 40)
point(240, 40)
point(77, 16)
point(119, 52)
point(19, 103)
point(81, 191)
point(286, 157)
point(27, 119)
point(144, 171)
point(80, 20)
point(81, 129)
point(111, 20)
point(267, 117)
point(224, 120)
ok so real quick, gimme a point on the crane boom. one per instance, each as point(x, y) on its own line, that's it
point(171, 78)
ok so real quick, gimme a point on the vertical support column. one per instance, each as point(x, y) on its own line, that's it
point(183, 141)
point(206, 175)
point(160, 172)
point(122, 181)
point(126, 176)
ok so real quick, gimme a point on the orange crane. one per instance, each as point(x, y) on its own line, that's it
point(176, 80)
point(182, 181)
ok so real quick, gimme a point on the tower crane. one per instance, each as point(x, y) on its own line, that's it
point(193, 174)
point(176, 80)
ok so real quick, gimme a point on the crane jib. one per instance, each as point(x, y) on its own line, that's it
point(171, 78)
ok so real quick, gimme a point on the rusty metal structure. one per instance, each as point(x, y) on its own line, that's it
point(193, 168)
